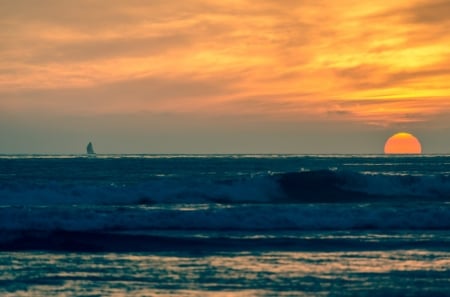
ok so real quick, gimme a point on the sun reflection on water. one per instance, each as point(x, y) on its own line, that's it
point(230, 274)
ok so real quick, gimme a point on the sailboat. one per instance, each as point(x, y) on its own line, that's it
point(90, 149)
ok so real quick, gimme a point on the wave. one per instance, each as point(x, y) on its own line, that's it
point(73, 241)
point(321, 186)
point(344, 186)
point(248, 217)
point(196, 228)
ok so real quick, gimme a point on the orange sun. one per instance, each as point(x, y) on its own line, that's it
point(402, 143)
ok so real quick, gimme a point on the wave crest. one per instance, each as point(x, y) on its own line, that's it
point(321, 186)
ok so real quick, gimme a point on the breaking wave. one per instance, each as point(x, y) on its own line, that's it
point(134, 227)
point(322, 186)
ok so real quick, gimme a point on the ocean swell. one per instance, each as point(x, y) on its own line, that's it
point(321, 186)
point(175, 227)
point(247, 217)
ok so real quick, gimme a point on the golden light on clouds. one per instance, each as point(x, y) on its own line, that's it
point(376, 62)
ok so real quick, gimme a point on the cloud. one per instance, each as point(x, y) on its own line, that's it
point(154, 94)
point(93, 50)
point(430, 12)
point(422, 21)
point(365, 77)
point(394, 112)
point(278, 59)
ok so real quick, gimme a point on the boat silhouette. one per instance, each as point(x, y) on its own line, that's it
point(90, 149)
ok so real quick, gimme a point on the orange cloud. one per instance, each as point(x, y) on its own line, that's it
point(377, 62)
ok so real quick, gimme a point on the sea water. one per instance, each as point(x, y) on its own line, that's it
point(224, 225)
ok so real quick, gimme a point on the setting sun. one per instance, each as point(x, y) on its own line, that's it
point(402, 143)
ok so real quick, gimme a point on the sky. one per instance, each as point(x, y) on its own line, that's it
point(236, 76)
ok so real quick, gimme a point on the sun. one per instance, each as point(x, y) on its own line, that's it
point(402, 143)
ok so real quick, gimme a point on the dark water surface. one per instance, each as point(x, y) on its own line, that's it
point(224, 225)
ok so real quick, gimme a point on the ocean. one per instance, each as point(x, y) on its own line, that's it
point(224, 225)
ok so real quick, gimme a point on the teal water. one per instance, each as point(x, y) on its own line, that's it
point(369, 273)
point(224, 225)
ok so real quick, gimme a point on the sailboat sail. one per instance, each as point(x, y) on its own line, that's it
point(90, 149)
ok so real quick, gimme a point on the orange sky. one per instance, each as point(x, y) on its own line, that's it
point(377, 63)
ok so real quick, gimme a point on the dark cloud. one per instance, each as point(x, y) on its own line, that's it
point(413, 17)
point(339, 113)
point(91, 14)
point(76, 51)
point(365, 77)
point(429, 12)
point(369, 102)
point(402, 110)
